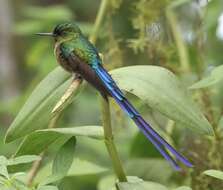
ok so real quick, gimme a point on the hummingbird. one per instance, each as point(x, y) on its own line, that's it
point(77, 55)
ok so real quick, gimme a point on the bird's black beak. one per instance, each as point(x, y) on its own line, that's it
point(45, 34)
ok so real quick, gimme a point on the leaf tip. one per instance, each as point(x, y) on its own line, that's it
point(8, 137)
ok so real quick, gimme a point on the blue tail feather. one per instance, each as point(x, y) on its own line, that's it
point(147, 130)
point(164, 143)
point(158, 146)
point(150, 130)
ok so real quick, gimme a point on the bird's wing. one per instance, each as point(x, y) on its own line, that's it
point(147, 130)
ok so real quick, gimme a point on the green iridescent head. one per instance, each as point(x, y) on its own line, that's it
point(64, 31)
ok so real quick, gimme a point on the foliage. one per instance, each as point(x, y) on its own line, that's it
point(176, 83)
point(13, 181)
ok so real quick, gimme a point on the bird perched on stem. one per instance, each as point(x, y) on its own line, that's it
point(78, 56)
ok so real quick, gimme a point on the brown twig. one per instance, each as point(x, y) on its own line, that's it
point(34, 169)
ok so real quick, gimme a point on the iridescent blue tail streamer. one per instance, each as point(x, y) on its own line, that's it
point(146, 129)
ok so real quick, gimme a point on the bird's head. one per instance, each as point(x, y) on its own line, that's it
point(63, 32)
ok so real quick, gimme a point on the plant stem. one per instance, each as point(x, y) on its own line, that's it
point(106, 116)
point(182, 50)
point(98, 21)
point(33, 171)
point(116, 162)
point(36, 165)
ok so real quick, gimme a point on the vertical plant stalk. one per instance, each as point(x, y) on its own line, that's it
point(105, 108)
point(98, 21)
point(182, 50)
point(34, 169)
point(106, 120)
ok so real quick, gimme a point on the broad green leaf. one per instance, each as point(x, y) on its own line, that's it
point(214, 173)
point(39, 140)
point(3, 167)
point(83, 167)
point(22, 159)
point(3, 160)
point(47, 187)
point(18, 175)
point(211, 19)
point(2, 181)
point(51, 179)
point(18, 185)
point(36, 112)
point(79, 167)
point(138, 184)
point(64, 157)
point(147, 169)
point(215, 77)
point(4, 171)
point(86, 131)
point(107, 182)
point(183, 188)
point(141, 186)
point(162, 91)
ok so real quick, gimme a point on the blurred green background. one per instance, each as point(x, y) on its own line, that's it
point(135, 32)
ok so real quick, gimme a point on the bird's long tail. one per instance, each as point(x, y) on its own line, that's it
point(146, 129)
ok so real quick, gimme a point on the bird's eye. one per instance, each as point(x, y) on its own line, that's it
point(59, 33)
point(62, 33)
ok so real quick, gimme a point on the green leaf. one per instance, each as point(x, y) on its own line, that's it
point(135, 183)
point(4, 171)
point(211, 19)
point(147, 169)
point(3, 167)
point(183, 188)
point(3, 161)
point(162, 91)
point(78, 168)
point(95, 132)
point(51, 179)
point(214, 173)
point(23, 159)
point(47, 187)
point(39, 140)
point(84, 167)
point(215, 77)
point(36, 112)
point(18, 175)
point(64, 158)
point(107, 182)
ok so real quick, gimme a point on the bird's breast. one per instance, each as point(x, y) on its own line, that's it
point(61, 59)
